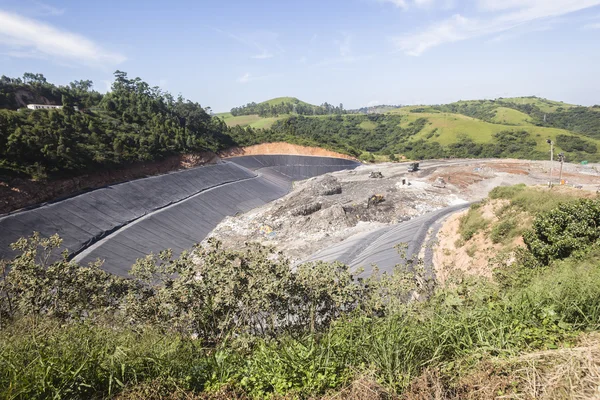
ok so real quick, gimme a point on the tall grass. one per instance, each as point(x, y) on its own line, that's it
point(472, 222)
point(453, 329)
point(47, 360)
point(533, 200)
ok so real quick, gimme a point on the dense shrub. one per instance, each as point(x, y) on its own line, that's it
point(568, 229)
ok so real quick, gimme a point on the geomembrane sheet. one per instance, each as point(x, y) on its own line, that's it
point(123, 222)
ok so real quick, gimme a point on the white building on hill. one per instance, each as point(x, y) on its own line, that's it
point(46, 106)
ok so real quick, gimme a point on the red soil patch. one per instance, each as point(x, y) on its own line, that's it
point(458, 177)
point(281, 148)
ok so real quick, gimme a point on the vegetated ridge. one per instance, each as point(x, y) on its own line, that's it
point(516, 127)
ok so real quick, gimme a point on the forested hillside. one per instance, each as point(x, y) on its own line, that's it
point(133, 122)
point(516, 127)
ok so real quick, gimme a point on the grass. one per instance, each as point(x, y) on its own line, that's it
point(42, 359)
point(534, 200)
point(472, 222)
point(452, 331)
point(544, 104)
point(266, 123)
point(504, 230)
point(450, 127)
point(368, 125)
point(509, 116)
point(241, 120)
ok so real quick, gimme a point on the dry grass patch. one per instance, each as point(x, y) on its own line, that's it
point(566, 373)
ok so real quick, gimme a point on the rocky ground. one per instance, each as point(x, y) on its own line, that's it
point(325, 210)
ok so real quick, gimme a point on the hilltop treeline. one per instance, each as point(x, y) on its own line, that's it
point(287, 107)
point(133, 122)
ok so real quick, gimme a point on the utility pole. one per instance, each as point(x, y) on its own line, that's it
point(551, 143)
point(561, 158)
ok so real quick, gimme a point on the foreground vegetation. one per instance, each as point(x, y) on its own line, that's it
point(219, 322)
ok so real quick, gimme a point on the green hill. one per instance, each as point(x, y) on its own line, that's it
point(253, 120)
point(449, 128)
point(506, 127)
point(515, 127)
point(510, 116)
point(544, 104)
point(281, 106)
point(279, 100)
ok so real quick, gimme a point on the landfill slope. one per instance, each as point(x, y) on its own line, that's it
point(386, 247)
point(123, 222)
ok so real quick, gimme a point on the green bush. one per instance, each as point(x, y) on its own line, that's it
point(507, 192)
point(571, 228)
point(471, 223)
point(502, 230)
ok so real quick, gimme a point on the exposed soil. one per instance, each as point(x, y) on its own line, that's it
point(281, 148)
point(17, 193)
point(451, 254)
point(323, 211)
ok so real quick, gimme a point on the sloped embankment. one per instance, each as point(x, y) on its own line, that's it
point(281, 148)
point(121, 223)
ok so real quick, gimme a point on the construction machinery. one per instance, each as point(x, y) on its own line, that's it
point(413, 167)
point(375, 199)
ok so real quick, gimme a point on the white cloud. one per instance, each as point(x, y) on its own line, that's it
point(46, 9)
point(592, 26)
point(244, 78)
point(498, 16)
point(248, 77)
point(263, 42)
point(407, 4)
point(344, 45)
point(25, 35)
point(373, 103)
point(264, 55)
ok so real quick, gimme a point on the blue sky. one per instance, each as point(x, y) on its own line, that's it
point(356, 52)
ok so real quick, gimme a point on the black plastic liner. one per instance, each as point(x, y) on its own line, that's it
point(123, 222)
